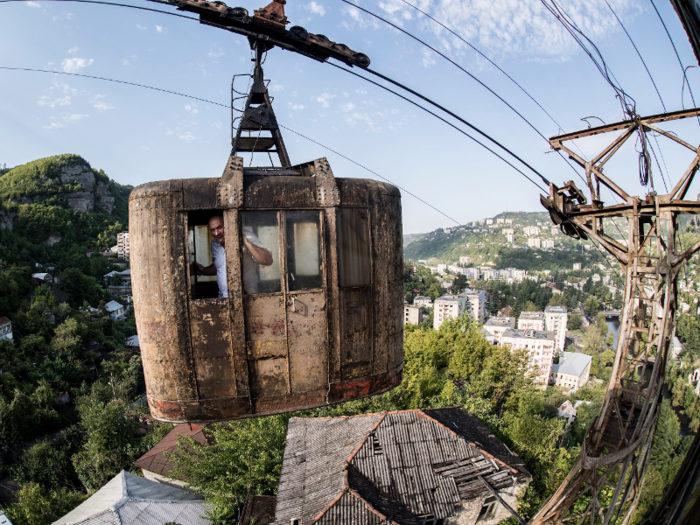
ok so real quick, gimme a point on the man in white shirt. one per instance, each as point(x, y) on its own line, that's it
point(254, 252)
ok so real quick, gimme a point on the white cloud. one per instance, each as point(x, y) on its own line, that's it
point(296, 106)
point(159, 29)
point(513, 28)
point(142, 28)
point(324, 99)
point(65, 120)
point(74, 49)
point(191, 108)
point(348, 107)
point(125, 62)
point(187, 136)
point(276, 88)
point(100, 104)
point(58, 94)
point(46, 100)
point(75, 65)
point(33, 4)
point(428, 59)
point(145, 148)
point(360, 91)
point(215, 51)
point(316, 9)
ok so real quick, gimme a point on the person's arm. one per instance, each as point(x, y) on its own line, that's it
point(261, 255)
point(205, 270)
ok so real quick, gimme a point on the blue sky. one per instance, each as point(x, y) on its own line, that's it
point(136, 135)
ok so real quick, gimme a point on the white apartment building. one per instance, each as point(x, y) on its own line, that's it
point(489, 221)
point(510, 238)
point(495, 327)
point(534, 242)
point(577, 266)
point(509, 221)
point(500, 221)
point(465, 259)
point(411, 314)
point(572, 372)
point(531, 321)
point(532, 231)
point(448, 307)
point(5, 329)
point(423, 301)
point(540, 346)
point(441, 268)
point(123, 251)
point(548, 244)
point(506, 231)
point(477, 302)
point(556, 319)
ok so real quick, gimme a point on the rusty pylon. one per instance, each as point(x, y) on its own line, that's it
point(605, 484)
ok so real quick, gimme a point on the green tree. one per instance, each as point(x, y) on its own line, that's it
point(574, 322)
point(558, 300)
point(591, 305)
point(459, 284)
point(530, 307)
point(80, 287)
point(39, 506)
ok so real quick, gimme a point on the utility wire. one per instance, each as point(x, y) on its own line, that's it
point(115, 4)
point(436, 51)
point(443, 119)
point(282, 126)
point(638, 54)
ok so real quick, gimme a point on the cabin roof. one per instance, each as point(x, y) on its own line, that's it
point(155, 461)
point(399, 465)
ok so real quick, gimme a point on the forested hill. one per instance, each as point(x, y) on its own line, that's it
point(57, 206)
point(486, 243)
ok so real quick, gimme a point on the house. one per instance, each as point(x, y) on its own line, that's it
point(5, 329)
point(115, 310)
point(555, 320)
point(258, 510)
point(155, 466)
point(477, 302)
point(531, 321)
point(423, 301)
point(412, 314)
point(132, 341)
point(124, 277)
point(496, 327)
point(59, 296)
point(539, 344)
point(131, 500)
point(567, 410)
point(572, 372)
point(430, 466)
point(448, 307)
point(123, 251)
point(43, 277)
point(4, 520)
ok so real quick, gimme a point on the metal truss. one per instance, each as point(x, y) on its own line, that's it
point(605, 484)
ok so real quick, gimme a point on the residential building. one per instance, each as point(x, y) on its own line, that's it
point(156, 466)
point(531, 231)
point(567, 410)
point(548, 244)
point(423, 301)
point(115, 310)
point(495, 327)
point(531, 321)
point(123, 251)
point(555, 230)
point(556, 318)
point(448, 307)
point(489, 221)
point(43, 277)
point(500, 221)
point(124, 277)
point(509, 221)
point(510, 238)
point(404, 467)
point(465, 259)
point(540, 346)
point(5, 329)
point(412, 314)
point(572, 372)
point(127, 496)
point(477, 302)
point(506, 231)
point(441, 268)
point(534, 242)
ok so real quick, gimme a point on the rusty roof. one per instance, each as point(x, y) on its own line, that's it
point(155, 461)
point(4, 321)
point(391, 467)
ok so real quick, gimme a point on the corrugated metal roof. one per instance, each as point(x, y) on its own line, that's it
point(132, 500)
point(572, 363)
point(394, 466)
point(4, 520)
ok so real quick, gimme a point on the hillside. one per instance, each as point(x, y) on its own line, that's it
point(486, 243)
point(58, 205)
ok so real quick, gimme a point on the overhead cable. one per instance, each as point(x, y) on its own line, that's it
point(114, 4)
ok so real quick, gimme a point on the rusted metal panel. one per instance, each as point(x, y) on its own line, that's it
point(200, 194)
point(279, 192)
point(356, 332)
point(308, 342)
point(363, 387)
point(211, 348)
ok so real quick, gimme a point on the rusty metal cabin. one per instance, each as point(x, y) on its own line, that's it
point(321, 325)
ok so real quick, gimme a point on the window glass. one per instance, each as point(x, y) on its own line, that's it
point(353, 247)
point(304, 264)
point(199, 244)
point(260, 252)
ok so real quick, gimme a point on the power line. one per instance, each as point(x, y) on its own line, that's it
point(114, 4)
point(445, 120)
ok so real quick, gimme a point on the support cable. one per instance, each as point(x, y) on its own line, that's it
point(115, 4)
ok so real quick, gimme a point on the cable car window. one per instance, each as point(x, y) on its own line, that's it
point(304, 250)
point(260, 252)
point(353, 247)
point(199, 238)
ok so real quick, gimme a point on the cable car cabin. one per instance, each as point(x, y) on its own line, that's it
point(306, 311)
